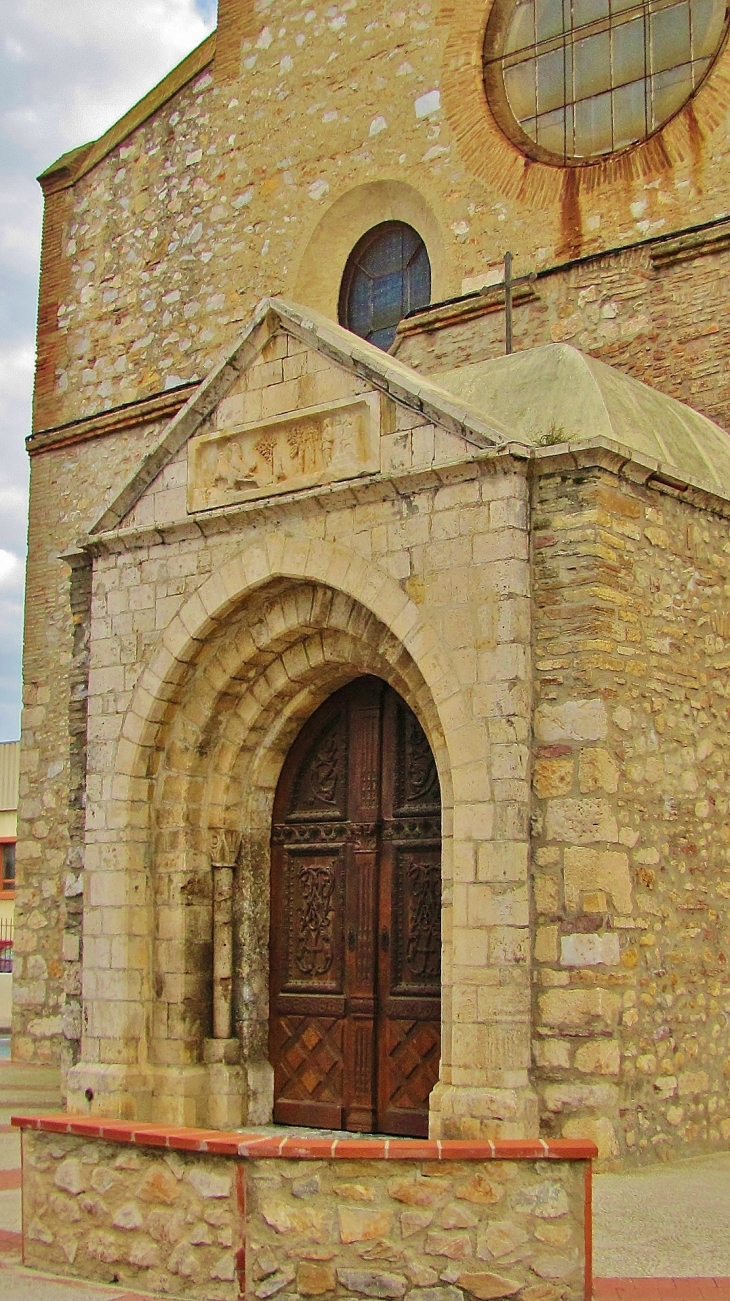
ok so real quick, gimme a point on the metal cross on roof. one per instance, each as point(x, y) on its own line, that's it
point(509, 284)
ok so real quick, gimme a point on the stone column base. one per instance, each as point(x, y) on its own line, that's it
point(219, 1093)
point(119, 1092)
point(222, 1050)
point(458, 1111)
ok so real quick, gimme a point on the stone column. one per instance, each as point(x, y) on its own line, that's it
point(222, 952)
point(227, 1099)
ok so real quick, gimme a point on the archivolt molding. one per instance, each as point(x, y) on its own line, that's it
point(317, 278)
point(278, 557)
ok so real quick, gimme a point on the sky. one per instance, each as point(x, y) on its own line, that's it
point(68, 70)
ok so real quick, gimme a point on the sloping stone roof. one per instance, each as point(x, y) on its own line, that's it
point(556, 395)
point(384, 372)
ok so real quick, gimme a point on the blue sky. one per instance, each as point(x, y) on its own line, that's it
point(68, 69)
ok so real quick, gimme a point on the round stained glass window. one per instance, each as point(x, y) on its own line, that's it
point(570, 81)
point(388, 275)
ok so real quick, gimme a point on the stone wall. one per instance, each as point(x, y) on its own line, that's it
point(630, 850)
point(652, 310)
point(69, 485)
point(262, 1217)
point(330, 119)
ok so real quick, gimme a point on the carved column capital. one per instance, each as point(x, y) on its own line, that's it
point(224, 846)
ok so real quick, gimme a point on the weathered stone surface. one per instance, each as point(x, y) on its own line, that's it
point(590, 950)
point(552, 777)
point(224, 1269)
point(275, 1283)
point(455, 1246)
point(542, 1292)
point(285, 1218)
point(128, 1217)
point(209, 1184)
point(37, 1231)
point(159, 1185)
point(266, 1262)
point(454, 1216)
point(184, 1261)
point(435, 1294)
point(599, 1129)
point(418, 1192)
point(571, 1097)
point(421, 1275)
point(553, 1266)
point(599, 1057)
point(103, 1179)
point(485, 1287)
point(574, 720)
point(104, 1247)
point(580, 1008)
point(145, 1254)
point(354, 1192)
point(414, 1221)
point(315, 1278)
point(588, 870)
point(480, 1190)
point(499, 1239)
point(597, 771)
point(308, 1186)
point(547, 1200)
point(70, 1177)
point(372, 1282)
point(581, 821)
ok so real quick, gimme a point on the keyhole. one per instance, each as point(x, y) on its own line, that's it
point(384, 941)
point(351, 940)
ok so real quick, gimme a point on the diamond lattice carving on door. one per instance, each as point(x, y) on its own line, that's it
point(355, 950)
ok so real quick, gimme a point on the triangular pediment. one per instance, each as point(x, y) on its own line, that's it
point(297, 404)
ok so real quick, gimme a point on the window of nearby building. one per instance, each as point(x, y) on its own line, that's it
point(570, 81)
point(387, 275)
point(8, 865)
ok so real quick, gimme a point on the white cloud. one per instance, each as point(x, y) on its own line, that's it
point(11, 571)
point(16, 370)
point(85, 62)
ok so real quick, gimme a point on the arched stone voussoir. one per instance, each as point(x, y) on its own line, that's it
point(280, 556)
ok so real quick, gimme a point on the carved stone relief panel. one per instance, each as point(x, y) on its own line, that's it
point(315, 445)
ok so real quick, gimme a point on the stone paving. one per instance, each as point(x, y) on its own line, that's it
point(671, 1220)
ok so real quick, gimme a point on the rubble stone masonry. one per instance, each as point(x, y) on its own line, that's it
point(192, 1215)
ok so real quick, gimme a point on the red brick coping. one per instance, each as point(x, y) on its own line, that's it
point(303, 1148)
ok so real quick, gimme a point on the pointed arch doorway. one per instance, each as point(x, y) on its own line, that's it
point(355, 946)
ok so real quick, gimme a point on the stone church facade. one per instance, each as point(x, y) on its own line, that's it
point(517, 566)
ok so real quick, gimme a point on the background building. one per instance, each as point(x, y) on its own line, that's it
point(9, 768)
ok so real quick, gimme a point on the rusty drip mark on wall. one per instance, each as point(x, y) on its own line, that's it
point(571, 228)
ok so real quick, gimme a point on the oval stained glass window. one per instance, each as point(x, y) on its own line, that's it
point(570, 81)
point(388, 275)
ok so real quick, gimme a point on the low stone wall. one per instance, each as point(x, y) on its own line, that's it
point(199, 1214)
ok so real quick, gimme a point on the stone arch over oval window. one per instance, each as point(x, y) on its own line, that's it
point(317, 279)
point(255, 683)
point(388, 275)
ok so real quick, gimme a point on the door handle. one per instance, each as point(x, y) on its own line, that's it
point(351, 940)
point(385, 941)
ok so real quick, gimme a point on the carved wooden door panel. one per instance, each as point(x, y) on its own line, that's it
point(355, 919)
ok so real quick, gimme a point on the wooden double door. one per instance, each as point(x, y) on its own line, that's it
point(355, 950)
